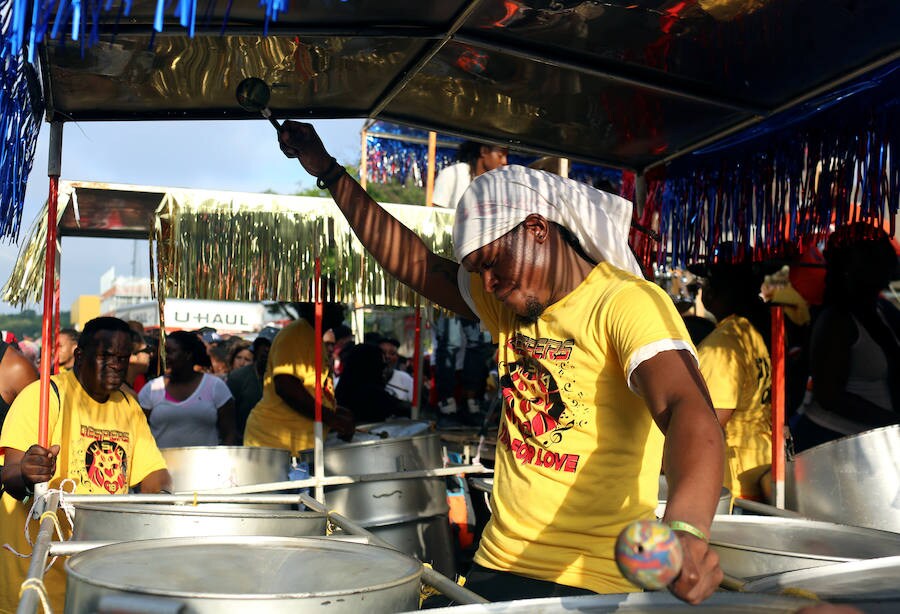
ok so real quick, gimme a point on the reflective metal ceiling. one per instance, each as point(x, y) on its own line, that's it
point(624, 83)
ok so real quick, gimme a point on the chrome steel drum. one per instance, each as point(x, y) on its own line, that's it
point(636, 603)
point(428, 539)
point(754, 546)
point(120, 522)
point(722, 507)
point(853, 480)
point(387, 501)
point(210, 467)
point(245, 574)
point(873, 585)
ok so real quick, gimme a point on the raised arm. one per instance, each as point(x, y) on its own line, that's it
point(693, 457)
point(396, 248)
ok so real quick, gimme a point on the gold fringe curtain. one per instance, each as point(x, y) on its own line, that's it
point(26, 281)
point(251, 247)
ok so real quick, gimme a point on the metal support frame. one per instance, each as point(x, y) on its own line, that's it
point(445, 585)
point(41, 551)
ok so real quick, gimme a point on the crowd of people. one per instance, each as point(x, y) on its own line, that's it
point(599, 379)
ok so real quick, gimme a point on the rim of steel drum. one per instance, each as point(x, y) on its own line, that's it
point(837, 442)
point(343, 445)
point(189, 510)
point(140, 552)
point(724, 528)
point(856, 580)
point(731, 603)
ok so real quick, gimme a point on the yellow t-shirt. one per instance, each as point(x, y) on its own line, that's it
point(735, 363)
point(105, 448)
point(273, 423)
point(578, 454)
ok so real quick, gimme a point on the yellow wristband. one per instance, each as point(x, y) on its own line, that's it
point(680, 525)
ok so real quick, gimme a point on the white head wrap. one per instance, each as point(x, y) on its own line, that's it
point(499, 200)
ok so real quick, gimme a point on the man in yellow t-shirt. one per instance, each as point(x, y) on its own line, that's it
point(99, 439)
point(592, 357)
point(734, 360)
point(285, 415)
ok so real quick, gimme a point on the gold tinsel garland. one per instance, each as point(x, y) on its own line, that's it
point(252, 247)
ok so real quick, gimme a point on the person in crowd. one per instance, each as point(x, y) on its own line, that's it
point(187, 407)
point(66, 343)
point(400, 383)
point(245, 383)
point(154, 365)
point(735, 363)
point(99, 439)
point(600, 381)
point(472, 159)
point(138, 365)
point(219, 364)
point(475, 369)
point(240, 355)
point(16, 372)
point(335, 340)
point(363, 386)
point(855, 345)
point(285, 415)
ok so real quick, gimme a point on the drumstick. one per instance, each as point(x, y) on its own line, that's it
point(253, 95)
point(649, 554)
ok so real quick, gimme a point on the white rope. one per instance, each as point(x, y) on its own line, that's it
point(37, 585)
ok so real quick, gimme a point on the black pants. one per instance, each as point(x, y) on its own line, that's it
point(504, 586)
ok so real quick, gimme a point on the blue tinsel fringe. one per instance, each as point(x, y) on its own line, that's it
point(19, 133)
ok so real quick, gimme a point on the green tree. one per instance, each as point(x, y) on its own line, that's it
point(408, 193)
point(27, 323)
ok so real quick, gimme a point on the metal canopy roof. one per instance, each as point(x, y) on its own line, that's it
point(623, 83)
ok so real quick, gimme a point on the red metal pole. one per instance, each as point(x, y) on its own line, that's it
point(47, 327)
point(48, 342)
point(778, 455)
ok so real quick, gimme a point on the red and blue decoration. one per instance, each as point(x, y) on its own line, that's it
point(649, 554)
point(831, 161)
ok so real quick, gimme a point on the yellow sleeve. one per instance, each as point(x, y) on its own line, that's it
point(720, 368)
point(293, 353)
point(641, 321)
point(146, 458)
point(20, 429)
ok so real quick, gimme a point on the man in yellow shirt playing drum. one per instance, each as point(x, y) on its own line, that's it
point(591, 356)
point(99, 439)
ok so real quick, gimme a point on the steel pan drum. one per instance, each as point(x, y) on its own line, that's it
point(872, 585)
point(387, 501)
point(853, 480)
point(120, 522)
point(722, 507)
point(636, 603)
point(410, 514)
point(754, 546)
point(245, 574)
point(209, 467)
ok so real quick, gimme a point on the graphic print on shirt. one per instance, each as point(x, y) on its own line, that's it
point(533, 404)
point(105, 460)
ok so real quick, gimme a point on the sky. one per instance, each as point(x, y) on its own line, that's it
point(239, 155)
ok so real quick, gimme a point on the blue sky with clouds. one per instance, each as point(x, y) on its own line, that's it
point(241, 155)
